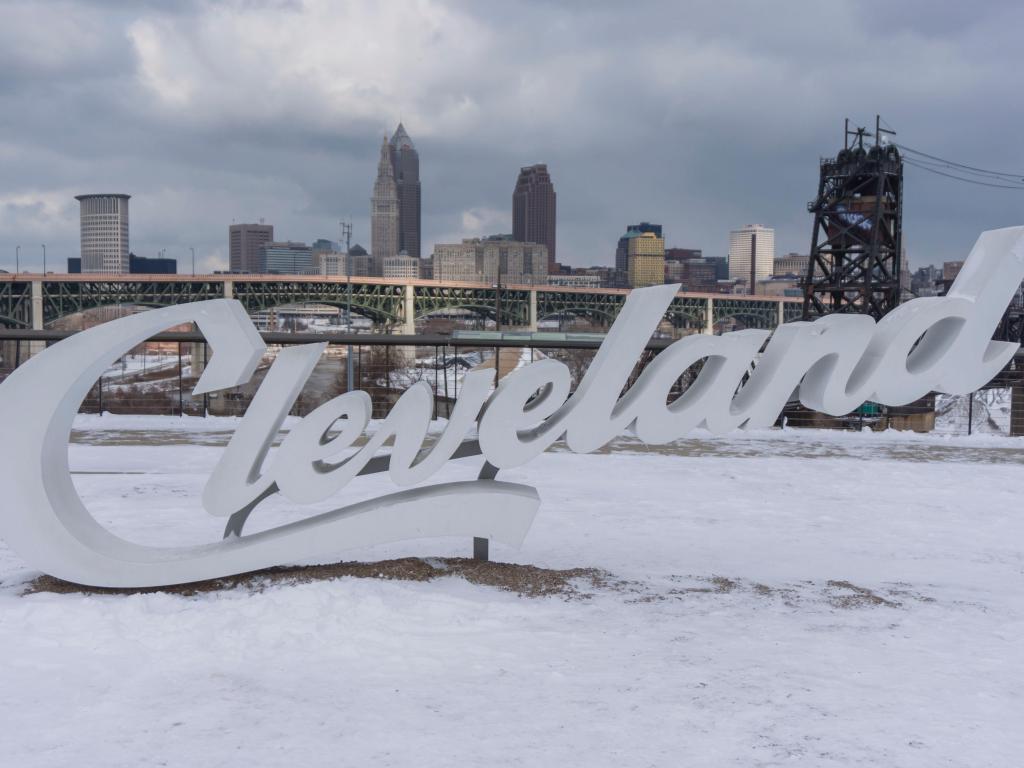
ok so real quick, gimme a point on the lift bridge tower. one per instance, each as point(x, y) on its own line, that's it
point(856, 245)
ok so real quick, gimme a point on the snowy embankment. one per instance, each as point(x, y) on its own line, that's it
point(787, 597)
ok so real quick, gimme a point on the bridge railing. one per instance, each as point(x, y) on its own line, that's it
point(157, 378)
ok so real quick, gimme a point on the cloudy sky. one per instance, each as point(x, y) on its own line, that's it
point(702, 116)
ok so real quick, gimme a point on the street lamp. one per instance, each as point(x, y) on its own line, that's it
point(193, 261)
point(44, 258)
point(17, 259)
point(346, 234)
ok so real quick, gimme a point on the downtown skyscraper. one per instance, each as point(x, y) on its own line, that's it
point(245, 247)
point(405, 161)
point(533, 210)
point(751, 254)
point(104, 232)
point(384, 222)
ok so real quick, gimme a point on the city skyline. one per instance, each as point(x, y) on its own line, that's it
point(291, 134)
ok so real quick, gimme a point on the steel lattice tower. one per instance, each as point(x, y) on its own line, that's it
point(856, 244)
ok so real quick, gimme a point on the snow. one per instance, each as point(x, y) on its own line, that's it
point(868, 610)
point(435, 370)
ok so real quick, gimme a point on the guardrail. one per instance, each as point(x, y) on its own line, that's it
point(158, 378)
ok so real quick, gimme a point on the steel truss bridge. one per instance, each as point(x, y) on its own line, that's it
point(35, 301)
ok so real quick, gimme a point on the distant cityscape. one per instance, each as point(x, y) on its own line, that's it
point(525, 256)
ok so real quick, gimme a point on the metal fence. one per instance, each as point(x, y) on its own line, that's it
point(157, 378)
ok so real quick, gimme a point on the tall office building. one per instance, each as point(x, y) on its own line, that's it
point(323, 245)
point(683, 254)
point(148, 265)
point(287, 258)
point(646, 260)
point(533, 210)
point(751, 254)
point(696, 275)
point(103, 221)
point(355, 263)
point(456, 261)
point(324, 250)
point(791, 264)
point(721, 264)
point(384, 208)
point(491, 259)
point(619, 277)
point(245, 247)
point(399, 268)
point(405, 162)
point(622, 249)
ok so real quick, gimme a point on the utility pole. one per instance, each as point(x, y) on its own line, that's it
point(346, 235)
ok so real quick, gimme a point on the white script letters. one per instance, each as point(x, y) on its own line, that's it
point(941, 344)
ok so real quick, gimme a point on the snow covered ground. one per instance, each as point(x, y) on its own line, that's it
point(779, 598)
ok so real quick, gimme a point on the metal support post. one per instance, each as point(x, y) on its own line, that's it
point(444, 365)
point(36, 306)
point(409, 311)
point(481, 548)
point(181, 397)
point(346, 233)
point(206, 395)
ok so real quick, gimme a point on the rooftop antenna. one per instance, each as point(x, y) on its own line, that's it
point(879, 130)
point(858, 134)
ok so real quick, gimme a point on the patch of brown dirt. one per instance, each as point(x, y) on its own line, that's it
point(843, 594)
point(523, 580)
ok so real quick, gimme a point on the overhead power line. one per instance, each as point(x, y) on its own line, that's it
point(963, 167)
point(979, 182)
point(964, 172)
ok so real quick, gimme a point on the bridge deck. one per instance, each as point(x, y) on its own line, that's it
point(339, 279)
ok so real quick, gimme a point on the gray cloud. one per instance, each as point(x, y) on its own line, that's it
point(703, 116)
